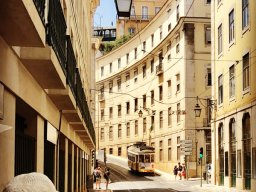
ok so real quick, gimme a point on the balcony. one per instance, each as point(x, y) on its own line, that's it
point(141, 17)
point(159, 69)
point(22, 22)
point(107, 34)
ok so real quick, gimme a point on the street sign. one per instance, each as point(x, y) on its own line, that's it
point(186, 145)
point(185, 141)
point(186, 149)
point(187, 153)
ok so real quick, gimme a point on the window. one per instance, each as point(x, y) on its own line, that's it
point(157, 9)
point(169, 27)
point(245, 13)
point(209, 77)
point(110, 86)
point(160, 32)
point(110, 133)
point(178, 48)
point(135, 75)
point(119, 110)
point(161, 93)
point(101, 134)
point(169, 46)
point(119, 63)
point(208, 1)
point(127, 58)
point(160, 150)
point(128, 130)
point(102, 71)
point(127, 107)
point(131, 30)
point(102, 92)
point(220, 39)
point(232, 81)
point(119, 151)
point(144, 98)
point(169, 116)
point(220, 89)
point(110, 151)
point(110, 112)
point(119, 130)
point(177, 83)
point(119, 84)
point(136, 127)
point(144, 125)
point(177, 13)
point(152, 95)
point(207, 35)
point(144, 72)
point(127, 79)
point(152, 123)
point(133, 11)
point(135, 104)
point(169, 88)
point(178, 112)
point(231, 26)
point(169, 149)
point(161, 119)
point(152, 65)
point(110, 67)
point(152, 40)
point(160, 57)
point(135, 53)
point(144, 46)
point(246, 72)
point(178, 148)
point(144, 12)
point(102, 114)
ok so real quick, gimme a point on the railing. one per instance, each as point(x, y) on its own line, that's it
point(56, 31)
point(83, 106)
point(159, 68)
point(40, 6)
point(71, 66)
point(141, 17)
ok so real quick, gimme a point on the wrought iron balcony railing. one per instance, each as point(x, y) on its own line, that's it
point(71, 66)
point(159, 69)
point(83, 106)
point(40, 6)
point(56, 31)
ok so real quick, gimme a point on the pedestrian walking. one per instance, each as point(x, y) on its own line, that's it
point(183, 172)
point(175, 171)
point(179, 170)
point(98, 174)
point(106, 176)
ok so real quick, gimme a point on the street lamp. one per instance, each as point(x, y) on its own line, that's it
point(149, 111)
point(197, 109)
point(123, 8)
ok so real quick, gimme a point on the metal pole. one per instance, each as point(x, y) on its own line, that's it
point(187, 170)
point(201, 162)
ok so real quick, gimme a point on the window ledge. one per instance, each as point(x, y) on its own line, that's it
point(246, 91)
point(231, 99)
point(220, 55)
point(231, 43)
point(247, 28)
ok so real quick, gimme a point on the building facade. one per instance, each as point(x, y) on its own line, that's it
point(46, 124)
point(161, 72)
point(233, 53)
point(142, 12)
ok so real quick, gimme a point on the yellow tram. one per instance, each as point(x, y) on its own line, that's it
point(141, 157)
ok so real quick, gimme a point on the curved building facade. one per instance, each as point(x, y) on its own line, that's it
point(146, 90)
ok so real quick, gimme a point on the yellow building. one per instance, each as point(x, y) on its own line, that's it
point(142, 12)
point(160, 71)
point(45, 82)
point(233, 53)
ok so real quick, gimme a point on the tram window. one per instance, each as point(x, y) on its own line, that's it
point(141, 158)
point(152, 158)
point(147, 158)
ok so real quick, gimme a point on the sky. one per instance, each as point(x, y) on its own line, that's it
point(105, 14)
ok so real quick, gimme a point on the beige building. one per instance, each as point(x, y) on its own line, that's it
point(233, 128)
point(160, 71)
point(142, 12)
point(45, 79)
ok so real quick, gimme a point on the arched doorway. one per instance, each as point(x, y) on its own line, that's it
point(232, 149)
point(246, 129)
point(221, 153)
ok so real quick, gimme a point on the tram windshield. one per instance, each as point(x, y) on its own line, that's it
point(147, 158)
point(141, 158)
